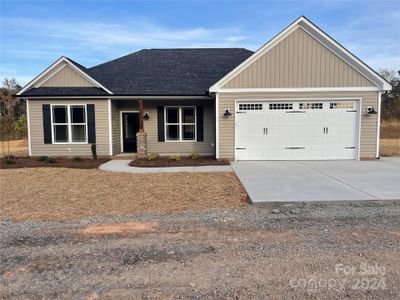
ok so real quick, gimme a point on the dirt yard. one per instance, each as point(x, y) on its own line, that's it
point(314, 251)
point(61, 194)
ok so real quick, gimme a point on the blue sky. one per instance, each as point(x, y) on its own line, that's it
point(36, 33)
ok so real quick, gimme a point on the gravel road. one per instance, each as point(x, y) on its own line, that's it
point(313, 251)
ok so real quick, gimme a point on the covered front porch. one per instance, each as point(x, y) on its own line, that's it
point(165, 126)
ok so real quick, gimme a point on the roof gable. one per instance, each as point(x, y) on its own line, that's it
point(275, 66)
point(64, 76)
point(298, 61)
point(75, 74)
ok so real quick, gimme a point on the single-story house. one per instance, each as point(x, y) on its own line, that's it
point(301, 96)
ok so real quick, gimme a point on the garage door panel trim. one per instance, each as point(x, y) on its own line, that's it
point(276, 119)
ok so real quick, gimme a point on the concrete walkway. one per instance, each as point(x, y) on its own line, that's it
point(123, 167)
point(301, 181)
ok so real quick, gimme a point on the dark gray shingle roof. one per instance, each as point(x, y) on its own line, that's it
point(168, 71)
point(156, 72)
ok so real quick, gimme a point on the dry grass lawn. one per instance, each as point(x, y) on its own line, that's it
point(390, 138)
point(390, 147)
point(62, 194)
point(17, 148)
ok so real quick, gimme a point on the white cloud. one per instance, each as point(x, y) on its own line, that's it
point(35, 43)
point(134, 33)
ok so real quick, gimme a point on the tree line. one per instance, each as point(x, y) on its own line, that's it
point(390, 109)
point(13, 124)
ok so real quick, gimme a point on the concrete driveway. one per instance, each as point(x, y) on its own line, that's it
point(292, 181)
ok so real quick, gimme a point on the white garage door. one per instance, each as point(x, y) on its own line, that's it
point(296, 130)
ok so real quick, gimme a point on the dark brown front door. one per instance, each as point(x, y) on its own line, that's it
point(130, 126)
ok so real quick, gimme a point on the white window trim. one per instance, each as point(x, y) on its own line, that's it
point(69, 124)
point(180, 124)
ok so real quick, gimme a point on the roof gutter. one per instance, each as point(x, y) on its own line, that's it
point(123, 97)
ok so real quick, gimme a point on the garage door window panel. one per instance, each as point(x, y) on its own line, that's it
point(311, 105)
point(341, 105)
point(280, 106)
point(250, 106)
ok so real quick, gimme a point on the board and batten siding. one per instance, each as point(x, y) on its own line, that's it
point(205, 147)
point(298, 61)
point(38, 146)
point(369, 122)
point(67, 77)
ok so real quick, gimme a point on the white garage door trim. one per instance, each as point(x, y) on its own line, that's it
point(358, 101)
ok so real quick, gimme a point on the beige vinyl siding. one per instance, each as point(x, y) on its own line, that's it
point(67, 77)
point(168, 148)
point(39, 148)
point(369, 123)
point(298, 61)
point(115, 124)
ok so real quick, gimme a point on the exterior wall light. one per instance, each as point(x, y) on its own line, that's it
point(146, 115)
point(227, 113)
point(371, 110)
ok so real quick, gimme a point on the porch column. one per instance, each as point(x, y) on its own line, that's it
point(141, 115)
point(141, 136)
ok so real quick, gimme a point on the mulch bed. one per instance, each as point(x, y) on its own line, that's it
point(183, 162)
point(29, 162)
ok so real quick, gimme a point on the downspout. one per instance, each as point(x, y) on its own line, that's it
point(378, 124)
point(28, 121)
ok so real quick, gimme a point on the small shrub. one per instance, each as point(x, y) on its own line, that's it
point(9, 161)
point(43, 158)
point(51, 160)
point(94, 150)
point(9, 157)
point(194, 155)
point(77, 158)
point(153, 156)
point(174, 158)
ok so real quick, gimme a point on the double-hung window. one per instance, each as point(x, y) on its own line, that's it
point(180, 123)
point(69, 123)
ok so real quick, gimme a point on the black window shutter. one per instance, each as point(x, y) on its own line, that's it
point(91, 123)
point(46, 123)
point(200, 123)
point(160, 123)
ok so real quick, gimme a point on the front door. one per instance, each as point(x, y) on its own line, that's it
point(130, 126)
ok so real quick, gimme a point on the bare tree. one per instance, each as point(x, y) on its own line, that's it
point(7, 115)
point(391, 99)
point(8, 89)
